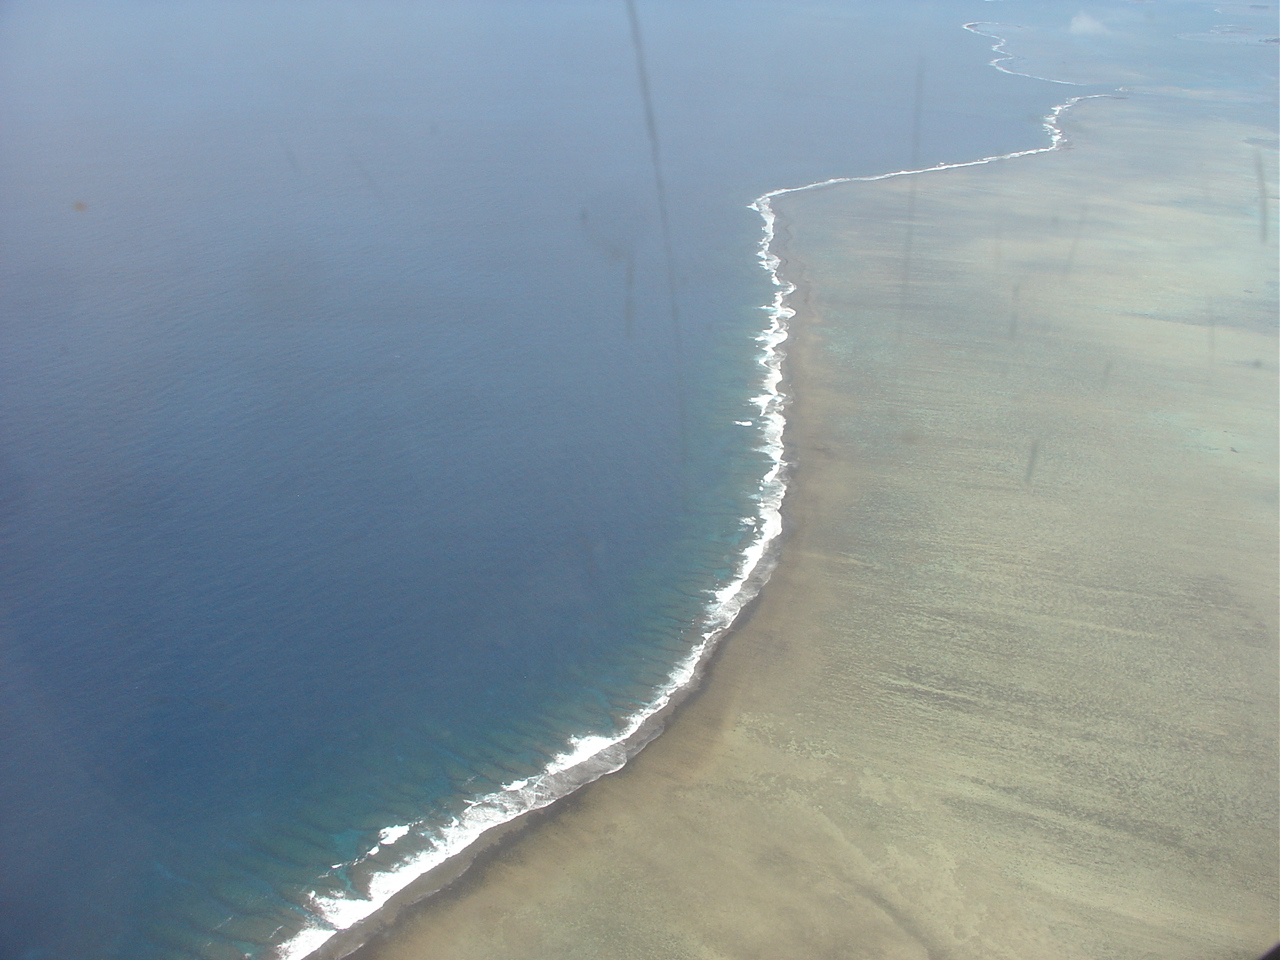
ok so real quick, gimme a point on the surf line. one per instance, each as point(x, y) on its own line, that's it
point(1005, 56)
point(763, 204)
point(339, 924)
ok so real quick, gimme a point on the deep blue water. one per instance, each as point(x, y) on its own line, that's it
point(354, 455)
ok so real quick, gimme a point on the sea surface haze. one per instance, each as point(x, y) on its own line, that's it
point(364, 448)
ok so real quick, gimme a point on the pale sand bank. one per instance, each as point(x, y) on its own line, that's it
point(987, 707)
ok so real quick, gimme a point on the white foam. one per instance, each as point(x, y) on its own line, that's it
point(590, 757)
point(390, 835)
point(764, 207)
point(1004, 56)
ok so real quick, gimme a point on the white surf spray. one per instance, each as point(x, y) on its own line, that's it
point(586, 758)
point(1004, 59)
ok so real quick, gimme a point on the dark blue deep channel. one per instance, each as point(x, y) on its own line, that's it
point(354, 456)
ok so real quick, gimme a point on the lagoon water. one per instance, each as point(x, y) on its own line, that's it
point(380, 418)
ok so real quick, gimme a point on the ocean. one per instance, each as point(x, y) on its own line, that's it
point(392, 405)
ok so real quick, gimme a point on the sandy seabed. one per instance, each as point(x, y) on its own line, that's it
point(1012, 691)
